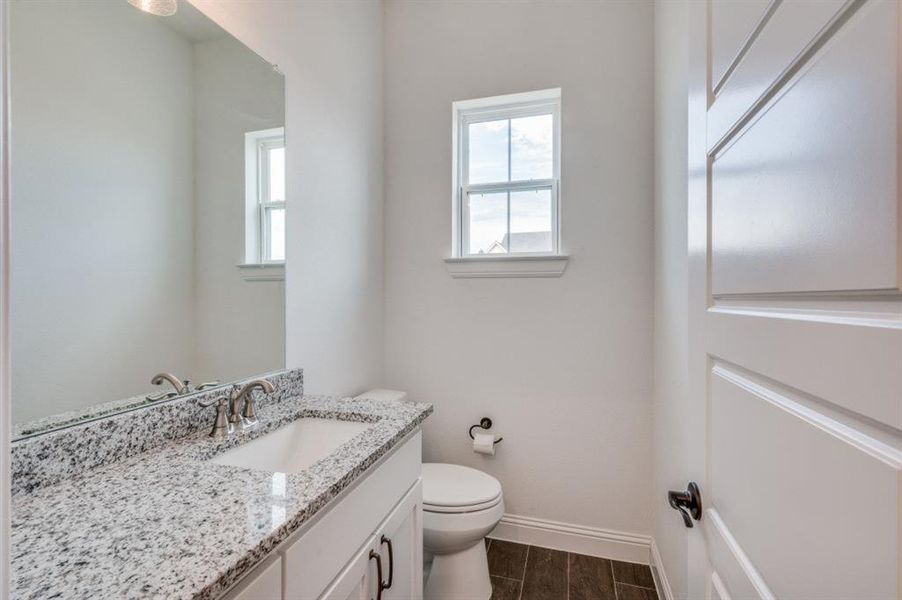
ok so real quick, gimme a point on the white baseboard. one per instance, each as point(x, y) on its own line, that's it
point(660, 575)
point(604, 543)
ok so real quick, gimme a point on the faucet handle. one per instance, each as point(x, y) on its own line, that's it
point(249, 414)
point(221, 426)
point(160, 396)
point(205, 385)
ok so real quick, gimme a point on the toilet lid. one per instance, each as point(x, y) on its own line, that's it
point(457, 486)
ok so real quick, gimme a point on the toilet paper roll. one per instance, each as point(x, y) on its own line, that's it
point(484, 443)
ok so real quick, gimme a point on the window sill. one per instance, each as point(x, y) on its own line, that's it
point(507, 266)
point(262, 271)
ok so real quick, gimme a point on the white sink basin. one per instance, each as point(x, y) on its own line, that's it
point(294, 447)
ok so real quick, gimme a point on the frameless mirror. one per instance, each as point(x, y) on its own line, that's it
point(148, 208)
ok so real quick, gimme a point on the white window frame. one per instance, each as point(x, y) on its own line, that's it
point(256, 210)
point(467, 112)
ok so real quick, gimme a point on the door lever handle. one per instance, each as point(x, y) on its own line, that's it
point(687, 503)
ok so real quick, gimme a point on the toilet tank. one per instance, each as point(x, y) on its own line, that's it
point(380, 394)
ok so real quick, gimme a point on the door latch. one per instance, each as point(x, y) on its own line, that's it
point(688, 503)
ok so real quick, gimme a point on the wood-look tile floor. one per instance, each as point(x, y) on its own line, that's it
point(521, 572)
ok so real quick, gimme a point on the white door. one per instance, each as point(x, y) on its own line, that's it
point(796, 311)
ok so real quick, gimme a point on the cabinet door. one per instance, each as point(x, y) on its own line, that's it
point(359, 579)
point(263, 583)
point(400, 543)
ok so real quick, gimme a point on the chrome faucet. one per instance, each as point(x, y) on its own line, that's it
point(241, 419)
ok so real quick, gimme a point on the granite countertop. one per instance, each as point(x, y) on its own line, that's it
point(168, 523)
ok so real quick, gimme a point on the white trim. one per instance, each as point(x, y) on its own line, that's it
point(550, 94)
point(262, 271)
point(488, 266)
point(5, 402)
point(662, 585)
point(579, 539)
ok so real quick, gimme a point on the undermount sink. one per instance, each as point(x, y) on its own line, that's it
point(294, 447)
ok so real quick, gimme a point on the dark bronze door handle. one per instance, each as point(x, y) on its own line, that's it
point(391, 562)
point(688, 503)
point(374, 554)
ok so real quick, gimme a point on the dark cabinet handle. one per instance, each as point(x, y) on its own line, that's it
point(391, 562)
point(687, 503)
point(374, 554)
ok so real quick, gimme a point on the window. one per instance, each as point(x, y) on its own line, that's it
point(507, 173)
point(265, 197)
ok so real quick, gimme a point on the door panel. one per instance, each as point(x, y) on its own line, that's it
point(788, 28)
point(805, 198)
point(823, 353)
point(732, 25)
point(778, 463)
point(717, 591)
point(795, 324)
point(732, 573)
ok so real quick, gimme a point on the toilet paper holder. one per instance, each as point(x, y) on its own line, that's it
point(485, 423)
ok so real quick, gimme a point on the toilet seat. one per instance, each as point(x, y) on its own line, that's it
point(458, 489)
point(461, 509)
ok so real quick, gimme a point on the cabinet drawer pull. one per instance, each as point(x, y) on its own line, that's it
point(374, 554)
point(391, 561)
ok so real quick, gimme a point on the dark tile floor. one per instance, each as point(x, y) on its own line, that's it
point(521, 572)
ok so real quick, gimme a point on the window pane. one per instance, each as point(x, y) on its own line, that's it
point(531, 221)
point(532, 148)
point(276, 175)
point(488, 223)
point(488, 151)
point(276, 223)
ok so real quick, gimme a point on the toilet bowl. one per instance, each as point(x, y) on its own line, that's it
point(460, 507)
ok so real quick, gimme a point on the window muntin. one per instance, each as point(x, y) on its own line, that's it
point(265, 203)
point(508, 170)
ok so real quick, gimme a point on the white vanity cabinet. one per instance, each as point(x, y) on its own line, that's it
point(335, 556)
point(400, 545)
point(399, 551)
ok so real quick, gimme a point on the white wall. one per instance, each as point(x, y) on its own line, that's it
point(331, 55)
point(240, 324)
point(671, 284)
point(564, 365)
point(101, 203)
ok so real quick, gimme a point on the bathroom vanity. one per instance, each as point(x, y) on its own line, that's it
point(366, 544)
point(196, 517)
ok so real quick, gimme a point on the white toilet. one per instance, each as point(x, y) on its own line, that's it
point(460, 507)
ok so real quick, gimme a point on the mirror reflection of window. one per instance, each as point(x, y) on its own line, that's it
point(266, 196)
